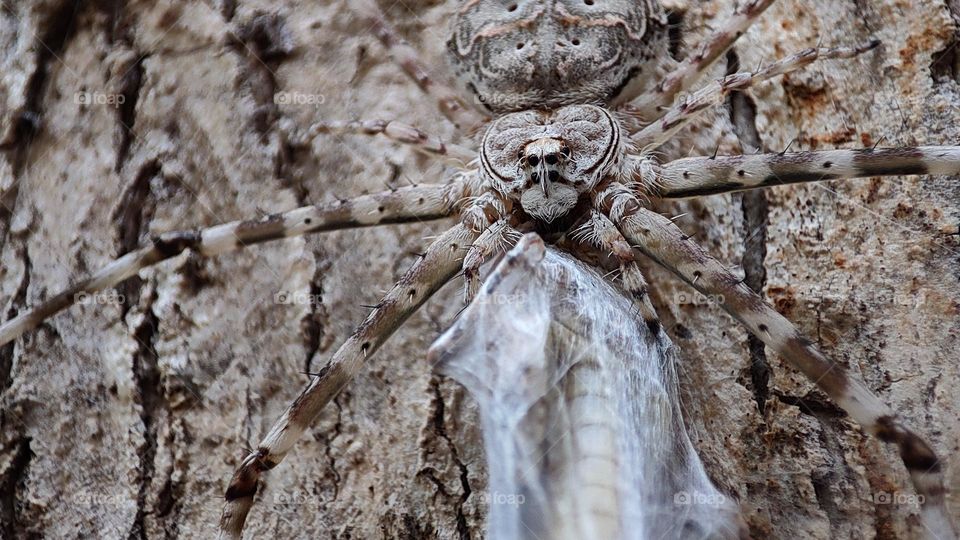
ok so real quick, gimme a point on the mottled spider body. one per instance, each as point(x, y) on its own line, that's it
point(562, 146)
point(516, 55)
point(547, 160)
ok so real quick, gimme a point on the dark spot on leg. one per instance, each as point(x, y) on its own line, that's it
point(916, 454)
point(323, 371)
point(266, 462)
point(174, 243)
point(886, 429)
point(240, 488)
point(654, 326)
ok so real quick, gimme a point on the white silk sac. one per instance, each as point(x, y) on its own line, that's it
point(580, 411)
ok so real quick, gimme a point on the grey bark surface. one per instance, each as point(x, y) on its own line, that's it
point(125, 416)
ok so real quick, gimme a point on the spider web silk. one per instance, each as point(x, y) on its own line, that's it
point(579, 407)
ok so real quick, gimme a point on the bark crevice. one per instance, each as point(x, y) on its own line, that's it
point(149, 386)
point(18, 302)
point(131, 218)
point(440, 428)
point(827, 479)
point(945, 65)
point(313, 325)
point(743, 114)
point(11, 482)
point(171, 494)
point(328, 447)
point(131, 82)
point(262, 42)
point(53, 35)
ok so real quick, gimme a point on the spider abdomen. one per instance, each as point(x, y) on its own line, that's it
point(517, 55)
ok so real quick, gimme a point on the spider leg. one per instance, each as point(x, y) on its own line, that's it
point(402, 133)
point(663, 241)
point(601, 232)
point(439, 264)
point(698, 176)
point(487, 213)
point(685, 75)
point(497, 239)
point(682, 113)
point(402, 205)
point(448, 102)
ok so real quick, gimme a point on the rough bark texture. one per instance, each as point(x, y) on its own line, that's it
point(124, 417)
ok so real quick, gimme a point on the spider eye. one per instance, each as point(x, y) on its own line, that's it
point(551, 159)
point(565, 151)
point(520, 153)
point(533, 160)
point(553, 176)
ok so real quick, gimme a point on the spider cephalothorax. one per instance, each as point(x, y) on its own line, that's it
point(520, 54)
point(547, 159)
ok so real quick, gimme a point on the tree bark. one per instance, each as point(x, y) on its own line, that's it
point(125, 416)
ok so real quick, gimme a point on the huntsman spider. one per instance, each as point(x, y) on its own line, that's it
point(574, 99)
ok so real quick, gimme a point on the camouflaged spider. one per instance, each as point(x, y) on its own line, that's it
point(577, 95)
